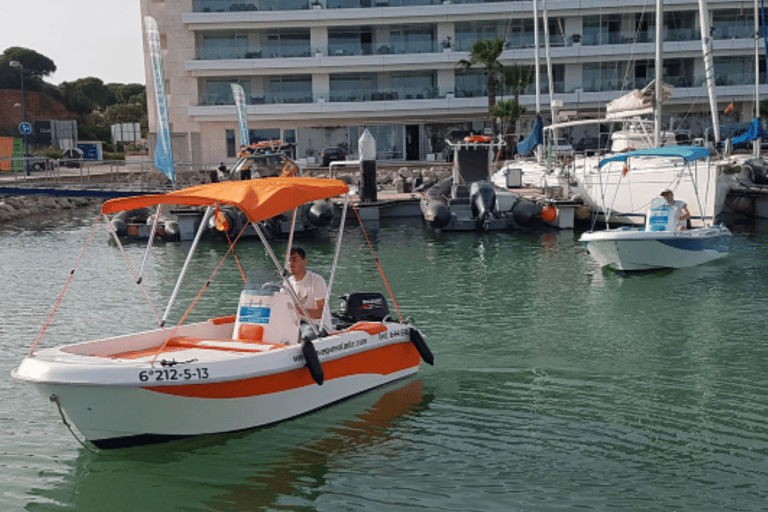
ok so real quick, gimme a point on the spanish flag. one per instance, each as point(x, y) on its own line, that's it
point(728, 109)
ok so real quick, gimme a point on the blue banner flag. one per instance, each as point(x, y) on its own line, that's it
point(242, 116)
point(163, 151)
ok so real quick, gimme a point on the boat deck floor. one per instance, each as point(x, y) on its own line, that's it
point(182, 343)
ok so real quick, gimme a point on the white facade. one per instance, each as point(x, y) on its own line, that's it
point(317, 74)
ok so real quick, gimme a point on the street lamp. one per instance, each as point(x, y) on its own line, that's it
point(17, 64)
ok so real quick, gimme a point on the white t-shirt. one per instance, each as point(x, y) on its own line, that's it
point(677, 211)
point(310, 290)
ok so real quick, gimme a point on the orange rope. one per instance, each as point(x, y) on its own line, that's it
point(64, 290)
point(135, 276)
point(232, 246)
point(378, 263)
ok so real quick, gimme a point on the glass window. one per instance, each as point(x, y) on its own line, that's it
point(290, 89)
point(601, 29)
point(414, 85)
point(349, 87)
point(350, 41)
point(219, 92)
point(232, 46)
point(467, 33)
point(471, 83)
point(288, 43)
point(733, 23)
point(413, 39)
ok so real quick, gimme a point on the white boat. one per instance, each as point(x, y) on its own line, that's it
point(469, 200)
point(660, 243)
point(632, 249)
point(253, 368)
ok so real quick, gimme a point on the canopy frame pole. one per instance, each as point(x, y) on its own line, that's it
point(151, 239)
point(338, 249)
point(203, 223)
point(290, 236)
point(284, 273)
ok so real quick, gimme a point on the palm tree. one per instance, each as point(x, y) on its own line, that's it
point(509, 111)
point(487, 52)
point(517, 78)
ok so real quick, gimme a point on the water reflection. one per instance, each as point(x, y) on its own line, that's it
point(246, 471)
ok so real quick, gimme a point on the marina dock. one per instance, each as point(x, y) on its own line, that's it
point(394, 202)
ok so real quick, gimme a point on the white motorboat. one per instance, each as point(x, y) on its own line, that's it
point(469, 200)
point(253, 368)
point(632, 249)
point(660, 243)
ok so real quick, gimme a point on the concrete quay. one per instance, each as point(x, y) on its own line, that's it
point(70, 187)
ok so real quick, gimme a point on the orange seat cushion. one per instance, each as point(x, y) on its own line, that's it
point(249, 332)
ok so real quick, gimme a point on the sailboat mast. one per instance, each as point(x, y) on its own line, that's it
point(659, 66)
point(709, 68)
point(536, 66)
point(536, 53)
point(550, 84)
point(758, 142)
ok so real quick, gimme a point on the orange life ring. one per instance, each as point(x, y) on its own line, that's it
point(477, 138)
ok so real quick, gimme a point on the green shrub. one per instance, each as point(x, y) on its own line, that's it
point(51, 153)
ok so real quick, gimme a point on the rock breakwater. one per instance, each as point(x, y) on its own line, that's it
point(21, 207)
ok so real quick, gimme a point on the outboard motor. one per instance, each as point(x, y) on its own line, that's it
point(363, 307)
point(482, 197)
point(756, 171)
point(320, 214)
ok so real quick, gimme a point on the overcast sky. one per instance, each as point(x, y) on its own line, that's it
point(99, 38)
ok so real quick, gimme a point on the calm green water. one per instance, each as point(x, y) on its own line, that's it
point(557, 386)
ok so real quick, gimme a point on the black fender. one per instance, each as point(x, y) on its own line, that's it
point(418, 341)
point(312, 362)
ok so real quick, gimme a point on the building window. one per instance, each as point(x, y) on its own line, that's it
point(466, 34)
point(352, 87)
point(290, 89)
point(733, 23)
point(219, 92)
point(415, 85)
point(350, 41)
point(230, 46)
point(288, 43)
point(413, 39)
point(471, 83)
point(601, 29)
point(231, 144)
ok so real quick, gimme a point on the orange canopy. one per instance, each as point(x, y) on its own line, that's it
point(259, 199)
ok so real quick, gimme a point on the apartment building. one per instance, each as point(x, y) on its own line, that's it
point(316, 72)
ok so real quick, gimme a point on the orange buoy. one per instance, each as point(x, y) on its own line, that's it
point(548, 213)
point(222, 224)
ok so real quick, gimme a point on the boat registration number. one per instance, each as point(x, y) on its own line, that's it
point(171, 374)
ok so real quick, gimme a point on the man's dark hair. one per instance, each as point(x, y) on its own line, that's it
point(299, 251)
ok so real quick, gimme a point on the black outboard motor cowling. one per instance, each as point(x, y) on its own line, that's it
point(482, 197)
point(363, 307)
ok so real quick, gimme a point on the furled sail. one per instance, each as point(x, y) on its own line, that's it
point(638, 102)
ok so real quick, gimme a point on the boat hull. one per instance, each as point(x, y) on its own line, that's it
point(634, 250)
point(116, 403)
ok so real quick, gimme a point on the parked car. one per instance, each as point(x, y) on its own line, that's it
point(563, 147)
point(332, 155)
point(588, 145)
point(40, 163)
